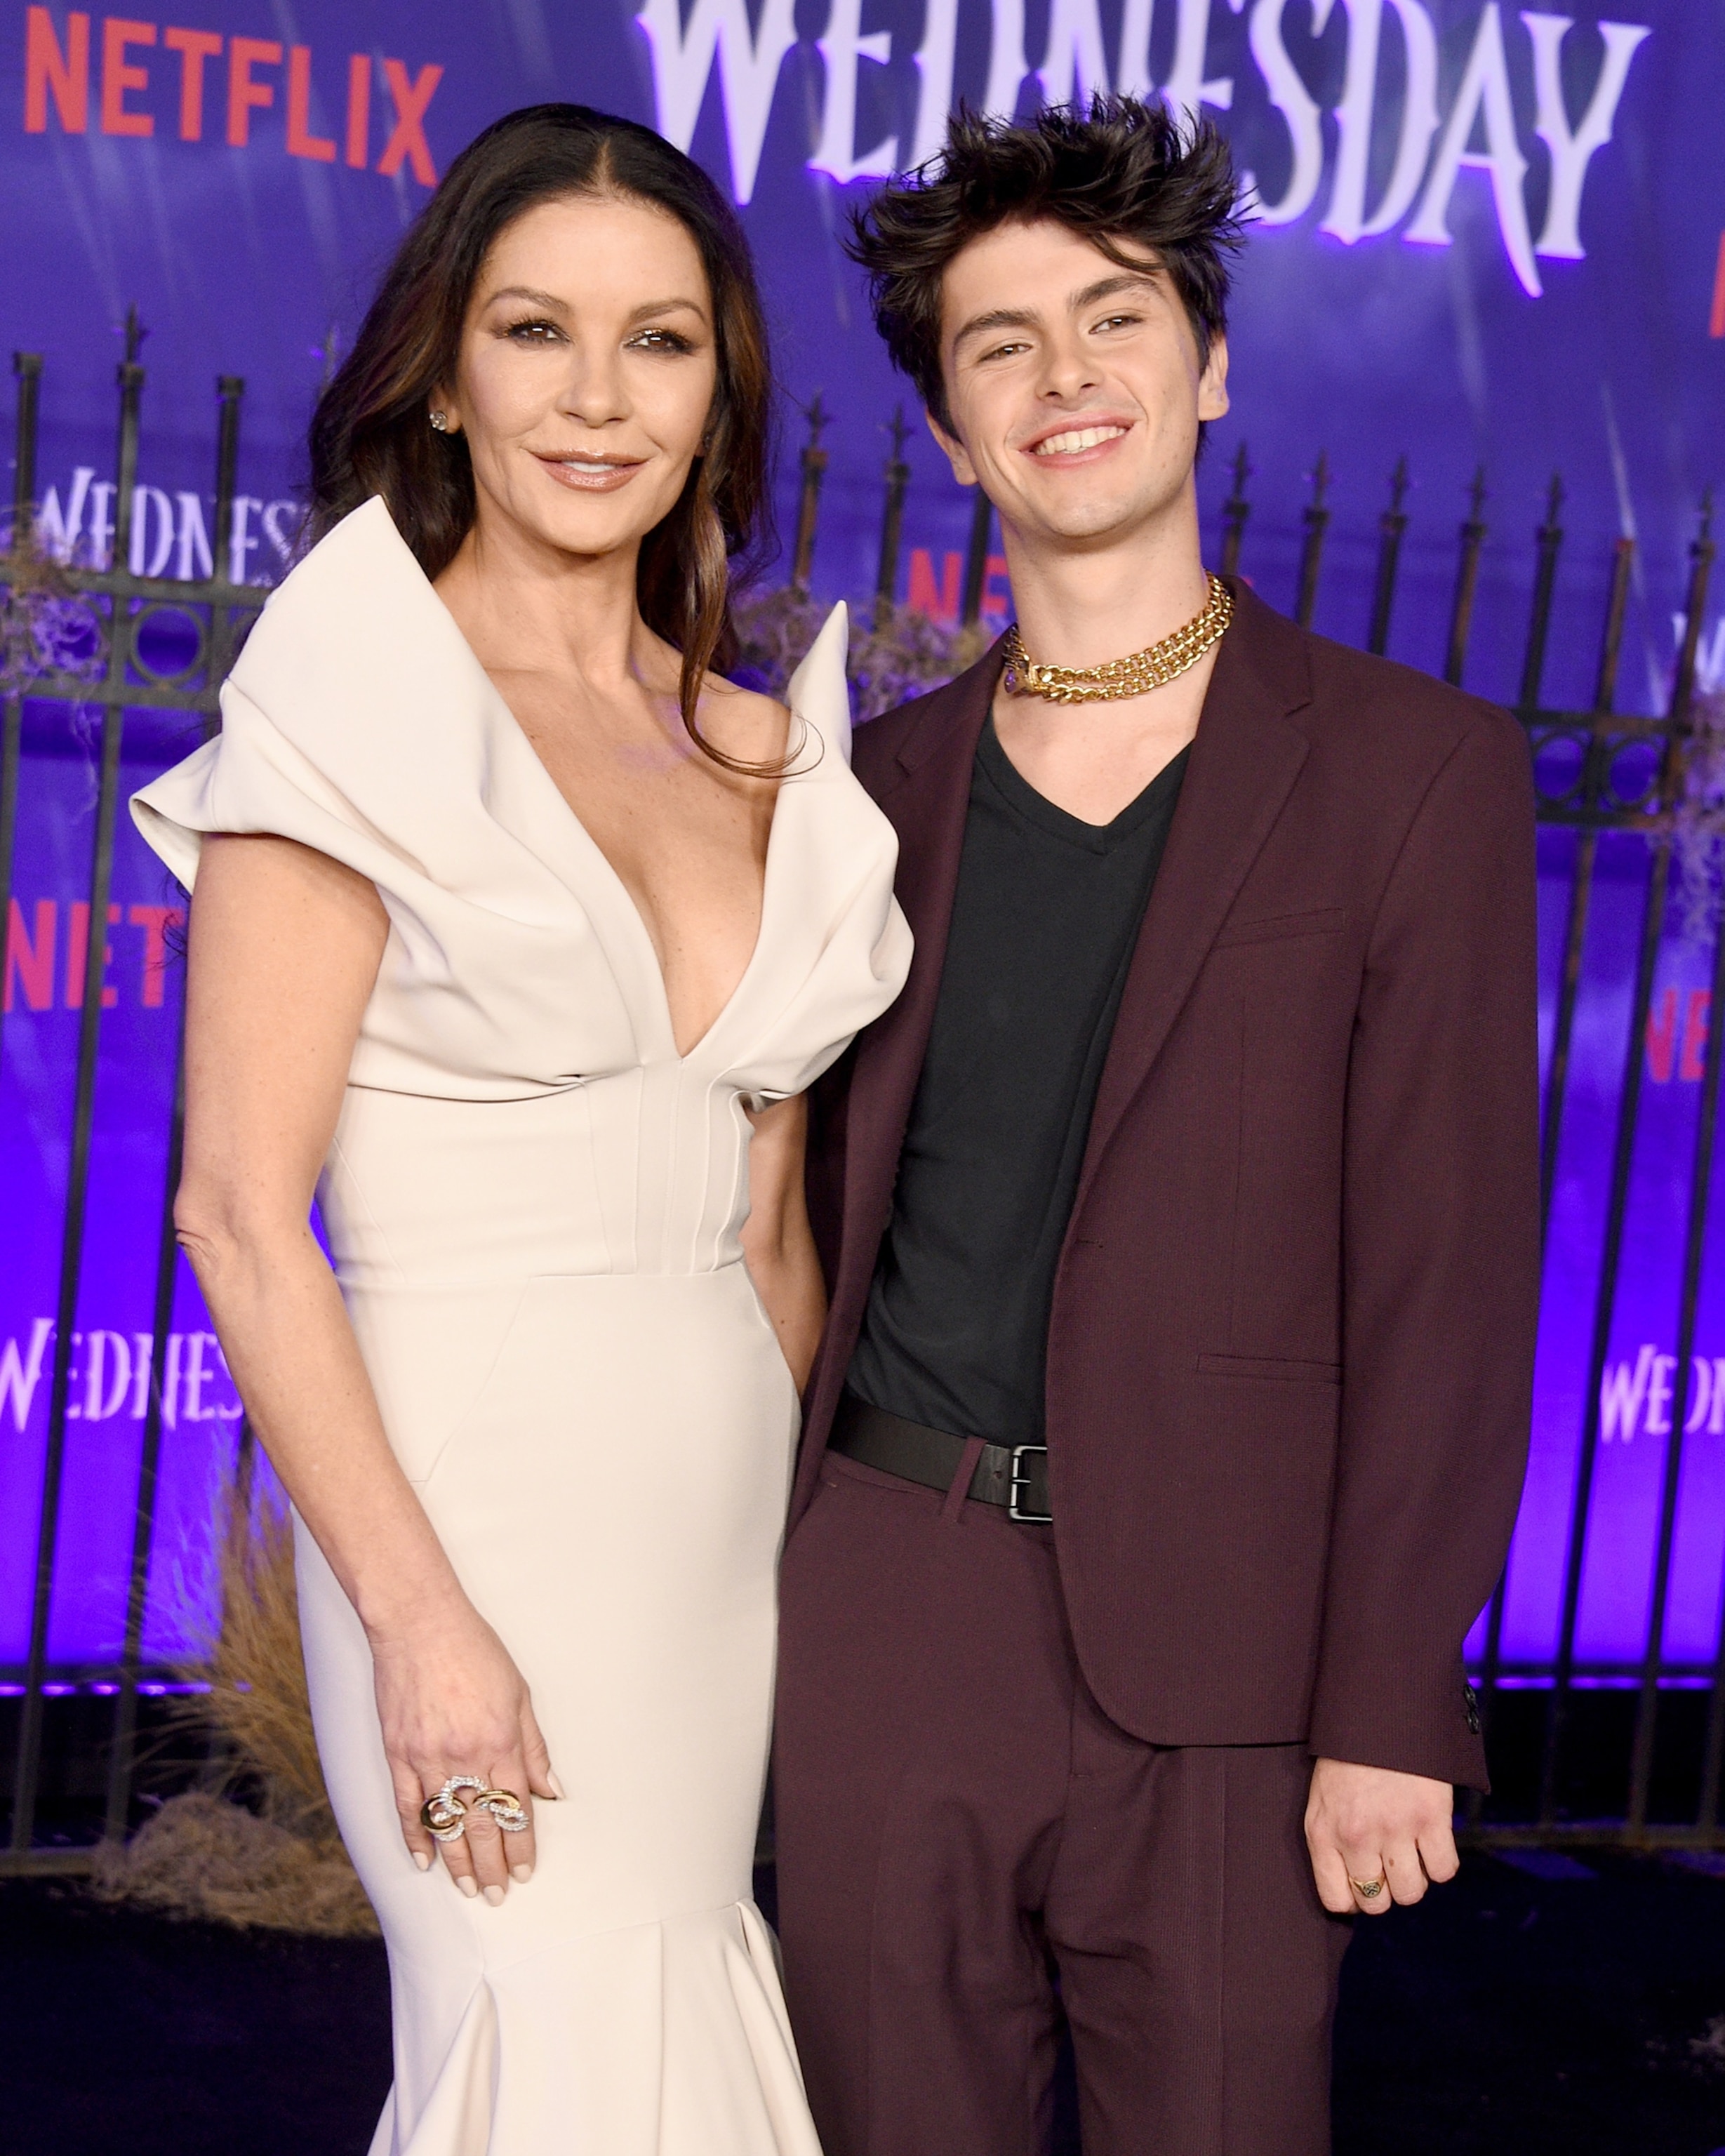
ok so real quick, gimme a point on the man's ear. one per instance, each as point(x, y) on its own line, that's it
point(1213, 382)
point(955, 454)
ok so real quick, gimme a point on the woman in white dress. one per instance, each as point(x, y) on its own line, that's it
point(517, 934)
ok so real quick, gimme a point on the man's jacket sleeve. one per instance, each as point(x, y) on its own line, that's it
point(1441, 1258)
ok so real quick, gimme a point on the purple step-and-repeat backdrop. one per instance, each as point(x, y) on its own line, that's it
point(1485, 236)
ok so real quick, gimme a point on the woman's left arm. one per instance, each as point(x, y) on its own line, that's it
point(776, 1242)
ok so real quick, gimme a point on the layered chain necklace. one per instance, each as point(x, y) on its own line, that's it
point(1134, 675)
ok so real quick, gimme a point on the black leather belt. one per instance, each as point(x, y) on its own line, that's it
point(1013, 1475)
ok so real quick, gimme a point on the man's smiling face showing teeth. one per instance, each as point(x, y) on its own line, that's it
point(1076, 438)
point(1074, 382)
point(587, 371)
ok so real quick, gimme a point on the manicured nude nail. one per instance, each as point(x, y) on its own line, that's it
point(521, 1872)
point(421, 1860)
point(494, 1895)
point(469, 1887)
point(556, 1787)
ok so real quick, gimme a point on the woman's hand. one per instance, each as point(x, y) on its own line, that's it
point(451, 1701)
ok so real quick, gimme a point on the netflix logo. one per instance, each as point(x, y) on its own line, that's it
point(938, 599)
point(45, 969)
point(138, 77)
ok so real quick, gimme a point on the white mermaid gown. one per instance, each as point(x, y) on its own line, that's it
point(533, 1201)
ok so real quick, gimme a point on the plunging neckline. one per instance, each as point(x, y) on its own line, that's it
point(620, 890)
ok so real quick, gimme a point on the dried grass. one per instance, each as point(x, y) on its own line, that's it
point(904, 655)
point(893, 658)
point(277, 1861)
point(1707, 2049)
point(205, 1856)
point(45, 626)
point(1699, 824)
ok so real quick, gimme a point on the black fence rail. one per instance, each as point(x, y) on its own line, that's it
point(120, 671)
point(1598, 772)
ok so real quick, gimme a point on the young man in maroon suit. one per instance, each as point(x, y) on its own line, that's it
point(1180, 1220)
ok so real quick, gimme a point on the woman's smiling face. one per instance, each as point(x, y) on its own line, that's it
point(586, 374)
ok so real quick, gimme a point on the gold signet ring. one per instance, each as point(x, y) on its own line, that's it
point(444, 1816)
point(505, 1807)
point(1367, 1890)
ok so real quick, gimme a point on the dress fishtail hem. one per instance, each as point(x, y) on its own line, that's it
point(669, 2038)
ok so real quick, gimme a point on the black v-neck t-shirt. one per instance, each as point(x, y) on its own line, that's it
point(1044, 921)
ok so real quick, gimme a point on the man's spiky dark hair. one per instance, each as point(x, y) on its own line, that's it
point(1118, 170)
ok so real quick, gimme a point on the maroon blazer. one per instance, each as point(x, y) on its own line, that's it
point(1291, 1351)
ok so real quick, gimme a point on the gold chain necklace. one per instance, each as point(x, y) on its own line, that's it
point(1134, 675)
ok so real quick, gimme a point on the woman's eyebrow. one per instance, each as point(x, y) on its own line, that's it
point(553, 305)
point(668, 307)
point(548, 300)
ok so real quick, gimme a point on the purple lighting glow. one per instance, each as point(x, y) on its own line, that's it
point(1492, 249)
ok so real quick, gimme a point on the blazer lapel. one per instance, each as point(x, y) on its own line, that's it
point(1245, 760)
point(927, 804)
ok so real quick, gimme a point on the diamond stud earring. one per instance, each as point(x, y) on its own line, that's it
point(440, 422)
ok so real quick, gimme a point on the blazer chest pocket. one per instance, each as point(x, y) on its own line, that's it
point(1277, 1368)
point(1282, 927)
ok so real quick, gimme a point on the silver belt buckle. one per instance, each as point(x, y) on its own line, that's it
point(1020, 1480)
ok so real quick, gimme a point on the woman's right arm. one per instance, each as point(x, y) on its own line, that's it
point(285, 946)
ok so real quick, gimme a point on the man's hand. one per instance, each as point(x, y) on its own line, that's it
point(1366, 1826)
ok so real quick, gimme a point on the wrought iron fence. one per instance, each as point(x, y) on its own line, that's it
point(122, 677)
point(1580, 758)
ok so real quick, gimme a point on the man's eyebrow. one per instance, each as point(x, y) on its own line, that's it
point(1105, 288)
point(996, 318)
point(1024, 318)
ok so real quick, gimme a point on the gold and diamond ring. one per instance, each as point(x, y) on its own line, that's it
point(505, 1807)
point(444, 1816)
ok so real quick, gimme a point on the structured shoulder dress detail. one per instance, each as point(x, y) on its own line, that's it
point(532, 1204)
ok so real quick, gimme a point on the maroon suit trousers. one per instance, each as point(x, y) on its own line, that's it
point(968, 1847)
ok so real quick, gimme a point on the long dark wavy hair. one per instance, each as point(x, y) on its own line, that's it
point(371, 433)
